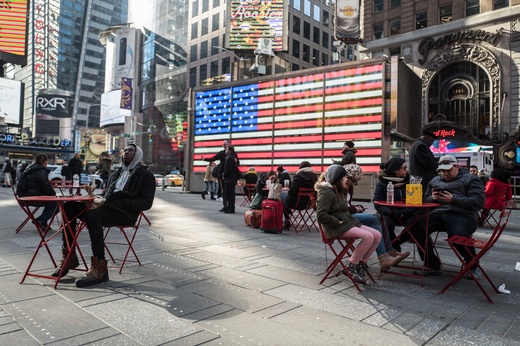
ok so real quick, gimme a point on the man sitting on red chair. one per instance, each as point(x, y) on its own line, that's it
point(461, 197)
point(130, 190)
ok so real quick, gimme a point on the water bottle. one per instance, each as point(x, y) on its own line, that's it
point(390, 193)
point(75, 180)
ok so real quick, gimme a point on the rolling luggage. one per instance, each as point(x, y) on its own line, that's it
point(253, 217)
point(272, 216)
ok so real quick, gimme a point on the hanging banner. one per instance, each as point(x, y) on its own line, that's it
point(126, 93)
point(347, 28)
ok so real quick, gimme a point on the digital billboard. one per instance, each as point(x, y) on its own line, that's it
point(11, 100)
point(13, 31)
point(286, 121)
point(251, 20)
point(347, 26)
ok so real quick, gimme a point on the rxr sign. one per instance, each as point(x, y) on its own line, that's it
point(51, 103)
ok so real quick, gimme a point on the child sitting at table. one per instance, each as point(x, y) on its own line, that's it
point(332, 213)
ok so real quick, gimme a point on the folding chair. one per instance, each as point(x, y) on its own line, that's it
point(249, 191)
point(129, 232)
point(490, 217)
point(143, 216)
point(24, 207)
point(347, 246)
point(484, 246)
point(300, 219)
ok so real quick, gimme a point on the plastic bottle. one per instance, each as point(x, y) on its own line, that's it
point(390, 193)
point(75, 180)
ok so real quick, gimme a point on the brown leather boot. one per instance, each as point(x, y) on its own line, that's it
point(97, 273)
point(386, 261)
point(71, 264)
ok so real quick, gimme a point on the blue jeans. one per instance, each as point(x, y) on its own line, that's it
point(372, 220)
point(211, 186)
point(451, 223)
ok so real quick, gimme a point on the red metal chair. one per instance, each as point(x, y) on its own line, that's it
point(129, 232)
point(484, 246)
point(346, 248)
point(25, 209)
point(249, 192)
point(299, 219)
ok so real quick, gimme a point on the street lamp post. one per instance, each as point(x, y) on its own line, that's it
point(240, 59)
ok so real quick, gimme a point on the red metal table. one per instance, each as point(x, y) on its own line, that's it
point(72, 244)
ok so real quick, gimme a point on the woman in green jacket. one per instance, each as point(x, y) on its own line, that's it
point(337, 222)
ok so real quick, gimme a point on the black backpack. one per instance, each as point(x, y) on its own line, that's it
point(216, 171)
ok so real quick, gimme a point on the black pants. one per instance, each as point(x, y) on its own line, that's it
point(97, 219)
point(229, 196)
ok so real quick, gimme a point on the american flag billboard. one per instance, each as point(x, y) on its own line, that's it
point(289, 120)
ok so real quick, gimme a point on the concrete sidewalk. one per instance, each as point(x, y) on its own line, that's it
point(209, 279)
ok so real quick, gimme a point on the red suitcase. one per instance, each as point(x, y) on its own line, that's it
point(272, 216)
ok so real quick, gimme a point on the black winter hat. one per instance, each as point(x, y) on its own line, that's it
point(350, 144)
point(280, 169)
point(392, 165)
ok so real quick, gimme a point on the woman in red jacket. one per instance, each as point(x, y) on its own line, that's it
point(498, 191)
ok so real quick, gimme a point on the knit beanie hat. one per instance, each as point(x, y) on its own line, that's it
point(354, 172)
point(350, 144)
point(304, 164)
point(392, 165)
point(334, 174)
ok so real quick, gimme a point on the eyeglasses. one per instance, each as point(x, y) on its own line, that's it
point(446, 162)
point(404, 167)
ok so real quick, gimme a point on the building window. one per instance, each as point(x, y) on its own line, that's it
point(378, 32)
point(316, 13)
point(395, 3)
point(226, 65)
point(194, 30)
point(203, 73)
point(193, 53)
point(205, 6)
point(324, 59)
point(307, 7)
point(204, 27)
point(306, 53)
point(445, 14)
point(395, 50)
point(326, 20)
point(296, 25)
point(472, 7)
point(421, 20)
point(316, 57)
point(395, 27)
point(497, 4)
point(325, 40)
point(214, 45)
point(193, 76)
point(213, 69)
point(215, 22)
point(316, 35)
point(295, 67)
point(296, 48)
point(195, 8)
point(216, 3)
point(204, 50)
point(379, 5)
point(307, 30)
point(297, 4)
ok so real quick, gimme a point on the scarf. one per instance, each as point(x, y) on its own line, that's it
point(127, 169)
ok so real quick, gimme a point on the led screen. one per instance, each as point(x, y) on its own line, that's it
point(13, 26)
point(290, 120)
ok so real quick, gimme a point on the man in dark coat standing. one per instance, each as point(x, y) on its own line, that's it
point(130, 190)
point(349, 154)
point(75, 167)
point(422, 161)
point(230, 176)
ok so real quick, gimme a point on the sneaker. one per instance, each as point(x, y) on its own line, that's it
point(476, 272)
point(219, 199)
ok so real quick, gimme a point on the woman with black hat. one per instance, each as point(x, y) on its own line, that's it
point(394, 170)
point(332, 213)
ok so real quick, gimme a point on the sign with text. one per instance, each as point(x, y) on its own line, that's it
point(11, 100)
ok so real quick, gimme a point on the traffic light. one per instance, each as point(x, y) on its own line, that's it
point(150, 138)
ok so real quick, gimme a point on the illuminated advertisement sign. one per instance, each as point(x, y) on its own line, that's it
point(286, 121)
point(11, 100)
point(347, 21)
point(251, 20)
point(13, 31)
point(54, 112)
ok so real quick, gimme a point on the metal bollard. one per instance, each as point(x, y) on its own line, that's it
point(163, 183)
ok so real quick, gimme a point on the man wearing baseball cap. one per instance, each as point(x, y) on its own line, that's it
point(461, 197)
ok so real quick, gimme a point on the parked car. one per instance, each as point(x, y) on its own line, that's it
point(174, 179)
point(158, 179)
point(55, 174)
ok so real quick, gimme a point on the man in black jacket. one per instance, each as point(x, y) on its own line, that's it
point(221, 157)
point(75, 167)
point(35, 182)
point(422, 161)
point(130, 190)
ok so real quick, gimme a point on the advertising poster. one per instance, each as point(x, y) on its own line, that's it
point(251, 20)
point(10, 101)
point(347, 26)
point(111, 112)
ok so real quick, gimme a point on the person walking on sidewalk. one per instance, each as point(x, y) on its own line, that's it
point(130, 190)
point(210, 181)
point(7, 168)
